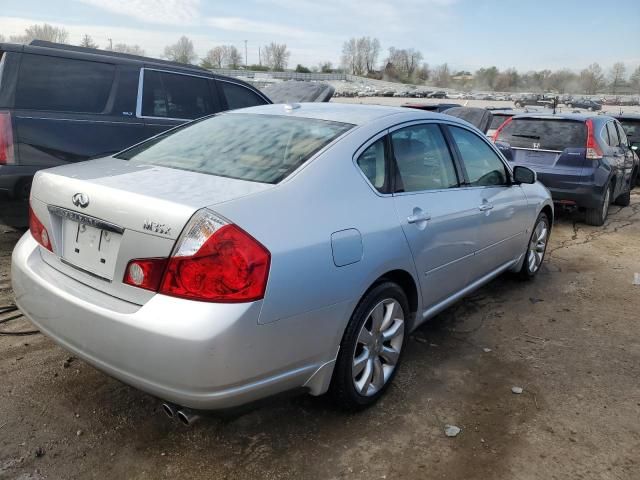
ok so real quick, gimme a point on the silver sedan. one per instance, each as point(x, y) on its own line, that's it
point(273, 248)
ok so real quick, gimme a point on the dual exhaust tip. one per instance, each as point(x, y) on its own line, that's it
point(184, 415)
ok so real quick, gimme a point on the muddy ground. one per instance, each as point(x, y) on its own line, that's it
point(571, 339)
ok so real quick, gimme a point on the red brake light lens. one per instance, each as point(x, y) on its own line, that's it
point(230, 266)
point(38, 230)
point(594, 152)
point(500, 128)
point(6, 139)
point(145, 273)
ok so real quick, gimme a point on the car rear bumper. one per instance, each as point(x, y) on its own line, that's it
point(195, 354)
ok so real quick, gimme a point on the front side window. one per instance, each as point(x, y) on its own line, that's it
point(423, 159)
point(258, 148)
point(238, 96)
point(484, 167)
point(63, 84)
point(373, 163)
point(172, 95)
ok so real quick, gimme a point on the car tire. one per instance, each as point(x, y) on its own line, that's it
point(22, 190)
point(597, 216)
point(369, 352)
point(635, 179)
point(536, 248)
point(625, 199)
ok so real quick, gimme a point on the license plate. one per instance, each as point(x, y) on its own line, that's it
point(90, 248)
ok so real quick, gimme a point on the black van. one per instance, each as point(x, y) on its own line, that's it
point(62, 104)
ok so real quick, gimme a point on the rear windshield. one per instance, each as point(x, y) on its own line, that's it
point(545, 134)
point(632, 129)
point(497, 120)
point(258, 148)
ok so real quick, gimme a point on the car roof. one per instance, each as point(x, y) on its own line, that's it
point(580, 117)
point(627, 116)
point(343, 112)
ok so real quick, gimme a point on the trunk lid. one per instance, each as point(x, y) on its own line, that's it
point(103, 213)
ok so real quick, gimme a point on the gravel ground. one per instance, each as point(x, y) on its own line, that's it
point(570, 339)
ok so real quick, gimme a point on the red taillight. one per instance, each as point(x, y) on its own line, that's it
point(38, 230)
point(145, 273)
point(6, 139)
point(213, 261)
point(593, 149)
point(499, 129)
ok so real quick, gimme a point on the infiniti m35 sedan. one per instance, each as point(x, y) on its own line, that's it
point(272, 248)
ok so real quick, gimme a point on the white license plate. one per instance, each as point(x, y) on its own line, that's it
point(90, 248)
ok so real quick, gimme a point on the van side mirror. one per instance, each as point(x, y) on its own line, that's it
point(524, 175)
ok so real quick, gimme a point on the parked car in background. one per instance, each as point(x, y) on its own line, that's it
point(533, 99)
point(455, 95)
point(631, 125)
point(499, 117)
point(585, 103)
point(63, 104)
point(240, 258)
point(585, 160)
point(438, 94)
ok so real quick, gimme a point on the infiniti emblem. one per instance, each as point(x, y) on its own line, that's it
point(80, 200)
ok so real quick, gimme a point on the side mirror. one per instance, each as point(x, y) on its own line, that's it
point(524, 175)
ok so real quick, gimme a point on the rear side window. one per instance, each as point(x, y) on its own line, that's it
point(373, 163)
point(545, 134)
point(484, 167)
point(172, 95)
point(258, 148)
point(63, 84)
point(423, 159)
point(239, 97)
point(612, 135)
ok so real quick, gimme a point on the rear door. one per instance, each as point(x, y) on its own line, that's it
point(167, 99)
point(438, 215)
point(502, 205)
point(616, 150)
point(65, 110)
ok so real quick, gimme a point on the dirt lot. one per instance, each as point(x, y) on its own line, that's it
point(571, 339)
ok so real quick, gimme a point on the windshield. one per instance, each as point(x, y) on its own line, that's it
point(545, 134)
point(258, 148)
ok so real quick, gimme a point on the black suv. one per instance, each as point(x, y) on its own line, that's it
point(586, 103)
point(61, 104)
point(533, 99)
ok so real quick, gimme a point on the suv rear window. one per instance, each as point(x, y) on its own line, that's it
point(545, 134)
point(63, 84)
point(258, 148)
point(497, 120)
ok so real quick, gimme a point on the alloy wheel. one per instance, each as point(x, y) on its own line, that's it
point(537, 246)
point(378, 347)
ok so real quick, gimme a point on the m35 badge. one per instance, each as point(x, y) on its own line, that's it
point(156, 227)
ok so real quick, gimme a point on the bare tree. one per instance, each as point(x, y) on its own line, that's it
point(234, 57)
point(592, 79)
point(404, 61)
point(360, 55)
point(214, 58)
point(617, 75)
point(130, 49)
point(276, 56)
point(325, 67)
point(442, 76)
point(424, 72)
point(349, 56)
point(88, 42)
point(45, 32)
point(635, 80)
point(182, 51)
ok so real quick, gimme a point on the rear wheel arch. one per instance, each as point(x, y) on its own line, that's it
point(549, 212)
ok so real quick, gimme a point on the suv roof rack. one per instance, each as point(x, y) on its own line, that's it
point(109, 53)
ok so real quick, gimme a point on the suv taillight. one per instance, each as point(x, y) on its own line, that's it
point(6, 139)
point(213, 261)
point(500, 128)
point(594, 152)
point(39, 231)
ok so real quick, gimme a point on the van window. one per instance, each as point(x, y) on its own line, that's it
point(172, 95)
point(240, 97)
point(63, 84)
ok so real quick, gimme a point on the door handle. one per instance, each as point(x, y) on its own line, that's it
point(418, 217)
point(485, 207)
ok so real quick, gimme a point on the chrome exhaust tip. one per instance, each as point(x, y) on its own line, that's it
point(170, 409)
point(187, 417)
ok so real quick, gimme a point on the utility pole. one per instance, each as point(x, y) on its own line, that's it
point(259, 57)
point(110, 43)
point(245, 53)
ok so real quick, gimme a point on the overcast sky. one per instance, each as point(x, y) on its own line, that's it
point(468, 34)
